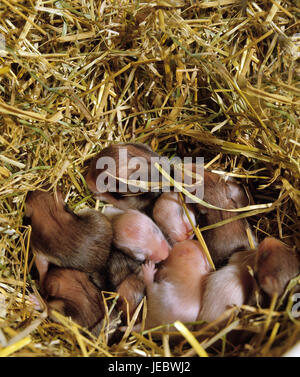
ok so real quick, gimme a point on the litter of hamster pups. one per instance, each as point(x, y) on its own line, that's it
point(217, 80)
point(78, 256)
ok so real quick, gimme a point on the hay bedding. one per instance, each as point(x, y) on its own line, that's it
point(218, 79)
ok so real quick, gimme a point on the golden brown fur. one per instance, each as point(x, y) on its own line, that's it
point(124, 277)
point(68, 240)
point(123, 200)
point(131, 291)
point(71, 293)
point(120, 266)
point(276, 265)
point(223, 241)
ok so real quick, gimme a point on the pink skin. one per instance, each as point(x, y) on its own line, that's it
point(149, 272)
point(35, 302)
point(169, 215)
point(137, 235)
point(176, 292)
point(273, 263)
point(224, 288)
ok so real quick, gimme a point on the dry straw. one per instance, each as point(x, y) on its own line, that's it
point(218, 79)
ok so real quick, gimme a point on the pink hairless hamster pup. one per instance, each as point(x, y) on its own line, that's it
point(137, 235)
point(169, 215)
point(274, 265)
point(66, 239)
point(176, 292)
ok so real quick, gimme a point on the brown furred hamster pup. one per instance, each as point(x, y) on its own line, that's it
point(176, 293)
point(137, 235)
point(124, 277)
point(222, 241)
point(277, 264)
point(274, 265)
point(131, 291)
point(122, 154)
point(81, 241)
point(71, 293)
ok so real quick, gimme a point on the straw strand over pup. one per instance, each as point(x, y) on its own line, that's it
point(273, 264)
point(226, 193)
point(123, 160)
point(71, 293)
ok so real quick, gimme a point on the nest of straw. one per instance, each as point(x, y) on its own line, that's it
point(217, 79)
